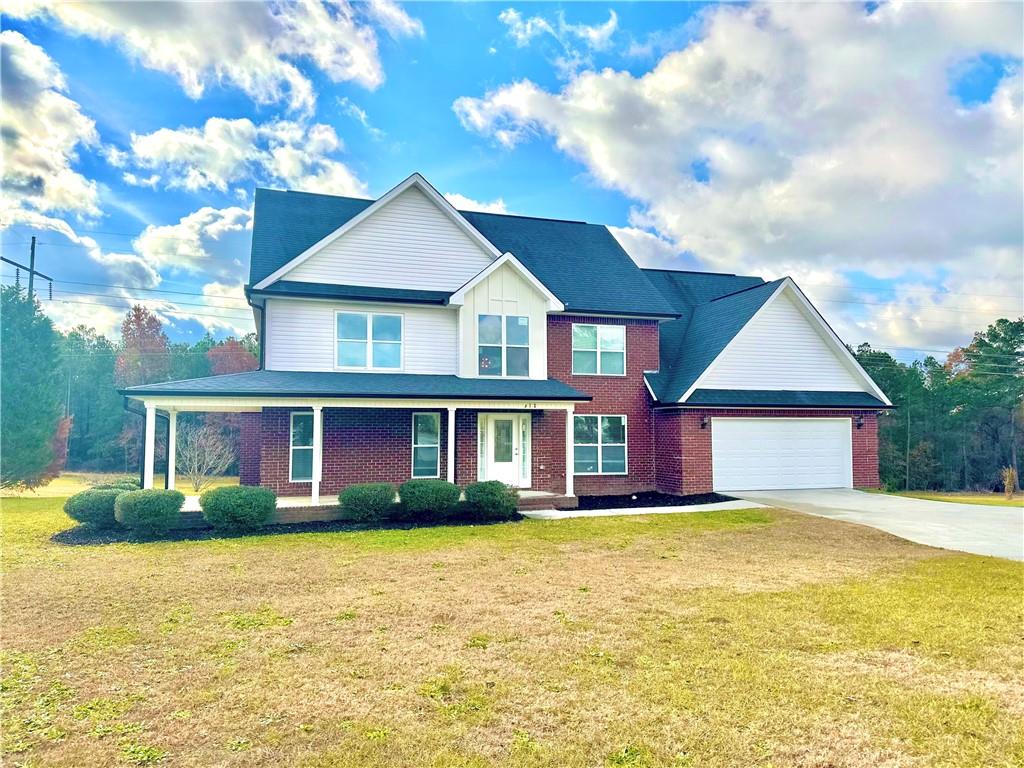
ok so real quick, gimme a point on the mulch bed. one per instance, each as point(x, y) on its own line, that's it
point(649, 499)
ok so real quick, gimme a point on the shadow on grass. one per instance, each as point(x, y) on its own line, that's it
point(84, 535)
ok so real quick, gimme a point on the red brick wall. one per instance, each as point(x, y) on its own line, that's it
point(613, 395)
point(668, 445)
point(360, 446)
point(250, 443)
point(680, 431)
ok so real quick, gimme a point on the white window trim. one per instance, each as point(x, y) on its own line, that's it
point(369, 341)
point(291, 448)
point(504, 347)
point(598, 326)
point(415, 445)
point(600, 446)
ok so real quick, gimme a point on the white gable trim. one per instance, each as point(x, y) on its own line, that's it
point(829, 336)
point(459, 297)
point(413, 181)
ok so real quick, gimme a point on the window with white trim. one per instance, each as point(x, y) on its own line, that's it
point(599, 444)
point(426, 445)
point(503, 345)
point(598, 350)
point(300, 461)
point(368, 340)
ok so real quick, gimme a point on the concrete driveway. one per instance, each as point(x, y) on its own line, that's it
point(976, 528)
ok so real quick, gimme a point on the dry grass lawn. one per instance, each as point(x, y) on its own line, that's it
point(753, 638)
point(966, 497)
point(69, 483)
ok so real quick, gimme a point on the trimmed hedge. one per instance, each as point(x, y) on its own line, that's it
point(149, 512)
point(492, 500)
point(238, 508)
point(94, 507)
point(427, 500)
point(368, 501)
point(120, 484)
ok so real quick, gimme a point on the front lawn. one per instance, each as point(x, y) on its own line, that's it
point(966, 497)
point(755, 637)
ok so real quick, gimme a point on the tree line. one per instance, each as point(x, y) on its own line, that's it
point(956, 424)
point(59, 405)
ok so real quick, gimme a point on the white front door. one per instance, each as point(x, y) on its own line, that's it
point(504, 448)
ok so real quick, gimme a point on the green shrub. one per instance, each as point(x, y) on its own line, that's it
point(427, 500)
point(118, 484)
point(367, 501)
point(94, 507)
point(149, 512)
point(238, 508)
point(492, 500)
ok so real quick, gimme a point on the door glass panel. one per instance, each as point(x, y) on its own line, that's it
point(524, 447)
point(503, 440)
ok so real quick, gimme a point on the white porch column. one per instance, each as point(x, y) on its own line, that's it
point(451, 445)
point(569, 451)
point(149, 452)
point(172, 446)
point(318, 451)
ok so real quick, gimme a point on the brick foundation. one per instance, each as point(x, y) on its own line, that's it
point(684, 449)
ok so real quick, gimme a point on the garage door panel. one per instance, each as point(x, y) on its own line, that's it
point(750, 454)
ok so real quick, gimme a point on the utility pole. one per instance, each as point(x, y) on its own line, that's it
point(32, 267)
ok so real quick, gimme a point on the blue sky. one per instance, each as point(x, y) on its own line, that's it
point(873, 153)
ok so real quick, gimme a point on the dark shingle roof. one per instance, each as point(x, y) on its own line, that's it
point(713, 308)
point(373, 385)
point(582, 264)
point(763, 398)
point(357, 292)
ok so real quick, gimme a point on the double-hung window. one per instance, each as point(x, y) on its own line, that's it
point(598, 350)
point(599, 445)
point(503, 345)
point(368, 340)
point(301, 459)
point(426, 445)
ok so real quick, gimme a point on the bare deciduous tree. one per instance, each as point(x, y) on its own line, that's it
point(204, 451)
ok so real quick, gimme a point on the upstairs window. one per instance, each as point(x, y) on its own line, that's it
point(369, 341)
point(598, 350)
point(599, 445)
point(503, 345)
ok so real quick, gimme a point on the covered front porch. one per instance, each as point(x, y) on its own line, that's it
point(308, 446)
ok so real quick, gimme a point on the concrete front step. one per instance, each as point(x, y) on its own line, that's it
point(546, 501)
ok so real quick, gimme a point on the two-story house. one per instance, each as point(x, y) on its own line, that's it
point(402, 338)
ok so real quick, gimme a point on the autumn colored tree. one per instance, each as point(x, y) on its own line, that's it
point(231, 357)
point(144, 356)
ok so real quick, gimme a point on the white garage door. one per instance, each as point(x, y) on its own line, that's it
point(763, 454)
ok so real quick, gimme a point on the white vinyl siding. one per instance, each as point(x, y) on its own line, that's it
point(781, 349)
point(301, 335)
point(780, 453)
point(407, 243)
point(505, 292)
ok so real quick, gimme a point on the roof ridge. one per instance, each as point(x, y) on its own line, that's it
point(533, 218)
point(692, 272)
point(744, 290)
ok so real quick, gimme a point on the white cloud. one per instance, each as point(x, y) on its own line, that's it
point(42, 132)
point(575, 41)
point(647, 249)
point(188, 245)
point(223, 152)
point(353, 110)
point(255, 47)
point(829, 136)
point(463, 203)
